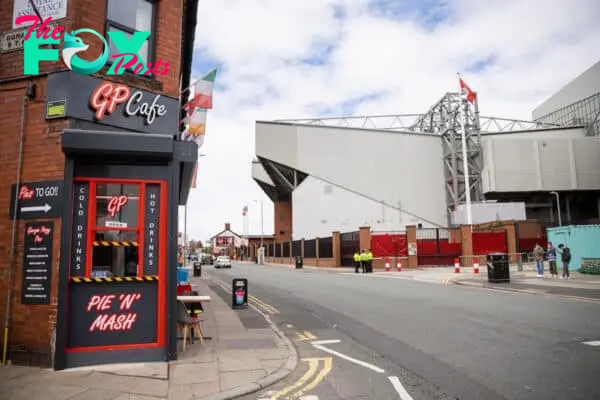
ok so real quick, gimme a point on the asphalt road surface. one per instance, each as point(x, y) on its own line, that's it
point(366, 337)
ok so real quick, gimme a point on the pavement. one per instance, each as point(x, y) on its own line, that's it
point(382, 337)
point(246, 352)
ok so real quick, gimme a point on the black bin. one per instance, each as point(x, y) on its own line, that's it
point(197, 268)
point(299, 262)
point(498, 268)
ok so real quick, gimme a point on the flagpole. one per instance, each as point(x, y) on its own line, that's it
point(465, 154)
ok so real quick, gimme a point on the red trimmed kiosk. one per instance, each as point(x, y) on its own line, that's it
point(117, 288)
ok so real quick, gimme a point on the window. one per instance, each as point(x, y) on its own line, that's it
point(130, 16)
point(116, 233)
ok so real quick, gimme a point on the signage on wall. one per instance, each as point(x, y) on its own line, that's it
point(14, 40)
point(81, 194)
point(224, 240)
point(107, 96)
point(37, 263)
point(115, 204)
point(37, 199)
point(56, 109)
point(151, 236)
point(55, 9)
point(113, 315)
point(138, 111)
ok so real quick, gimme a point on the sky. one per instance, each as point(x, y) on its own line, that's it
point(290, 59)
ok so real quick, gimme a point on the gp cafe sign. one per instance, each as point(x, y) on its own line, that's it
point(107, 96)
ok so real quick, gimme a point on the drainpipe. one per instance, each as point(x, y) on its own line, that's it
point(13, 233)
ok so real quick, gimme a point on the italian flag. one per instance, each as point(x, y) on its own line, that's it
point(203, 90)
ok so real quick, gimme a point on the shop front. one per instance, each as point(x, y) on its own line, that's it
point(125, 176)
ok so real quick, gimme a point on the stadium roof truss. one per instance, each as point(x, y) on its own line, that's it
point(448, 118)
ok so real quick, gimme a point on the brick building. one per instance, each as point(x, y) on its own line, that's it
point(36, 112)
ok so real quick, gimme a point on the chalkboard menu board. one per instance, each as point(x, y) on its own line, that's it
point(37, 263)
point(112, 313)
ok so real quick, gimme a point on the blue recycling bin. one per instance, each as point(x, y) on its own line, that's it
point(182, 275)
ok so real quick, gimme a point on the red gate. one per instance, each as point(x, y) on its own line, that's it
point(438, 246)
point(489, 241)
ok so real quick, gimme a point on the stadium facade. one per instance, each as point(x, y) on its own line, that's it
point(386, 172)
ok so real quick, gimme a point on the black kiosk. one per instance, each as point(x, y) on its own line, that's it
point(125, 176)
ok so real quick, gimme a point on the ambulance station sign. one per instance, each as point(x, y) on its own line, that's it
point(37, 199)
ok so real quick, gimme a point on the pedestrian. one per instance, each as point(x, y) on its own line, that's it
point(369, 261)
point(565, 256)
point(363, 261)
point(356, 261)
point(538, 254)
point(551, 252)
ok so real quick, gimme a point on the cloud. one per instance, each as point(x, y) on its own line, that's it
point(310, 58)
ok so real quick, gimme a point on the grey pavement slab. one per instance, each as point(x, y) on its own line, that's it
point(231, 362)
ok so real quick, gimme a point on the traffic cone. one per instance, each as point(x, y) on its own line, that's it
point(476, 266)
point(399, 266)
point(456, 266)
point(387, 265)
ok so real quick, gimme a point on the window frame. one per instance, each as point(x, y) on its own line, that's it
point(93, 228)
point(127, 29)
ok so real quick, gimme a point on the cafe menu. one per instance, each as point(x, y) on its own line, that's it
point(37, 263)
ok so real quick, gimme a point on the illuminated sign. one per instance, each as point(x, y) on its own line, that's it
point(115, 204)
point(107, 96)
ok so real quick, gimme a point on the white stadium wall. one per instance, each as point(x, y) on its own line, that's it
point(320, 208)
point(585, 85)
point(366, 169)
point(543, 161)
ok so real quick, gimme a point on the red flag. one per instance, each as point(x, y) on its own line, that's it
point(471, 95)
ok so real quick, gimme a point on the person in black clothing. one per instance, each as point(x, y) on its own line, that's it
point(565, 256)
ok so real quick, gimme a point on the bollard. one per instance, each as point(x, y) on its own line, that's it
point(387, 265)
point(399, 266)
point(456, 266)
point(476, 266)
point(239, 294)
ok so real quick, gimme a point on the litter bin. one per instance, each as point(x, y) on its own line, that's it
point(498, 268)
point(197, 268)
point(299, 262)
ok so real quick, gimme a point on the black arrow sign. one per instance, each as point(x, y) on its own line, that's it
point(37, 199)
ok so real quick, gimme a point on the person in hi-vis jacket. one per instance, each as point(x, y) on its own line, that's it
point(356, 261)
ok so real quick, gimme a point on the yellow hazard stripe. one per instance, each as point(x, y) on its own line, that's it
point(115, 243)
point(147, 278)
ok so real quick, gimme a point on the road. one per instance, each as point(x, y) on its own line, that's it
point(405, 339)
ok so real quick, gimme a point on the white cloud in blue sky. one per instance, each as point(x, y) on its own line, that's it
point(282, 59)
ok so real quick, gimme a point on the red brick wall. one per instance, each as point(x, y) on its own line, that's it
point(42, 156)
point(283, 220)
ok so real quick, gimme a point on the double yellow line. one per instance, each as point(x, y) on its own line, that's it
point(304, 385)
point(264, 306)
point(306, 335)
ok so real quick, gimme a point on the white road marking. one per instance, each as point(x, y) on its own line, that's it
point(399, 388)
point(347, 358)
point(309, 397)
point(593, 343)
point(330, 341)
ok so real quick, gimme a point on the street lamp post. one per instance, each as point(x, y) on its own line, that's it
point(558, 207)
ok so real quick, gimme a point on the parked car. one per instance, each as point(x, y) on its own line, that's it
point(223, 262)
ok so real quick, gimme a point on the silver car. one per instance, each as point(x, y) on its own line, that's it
point(223, 262)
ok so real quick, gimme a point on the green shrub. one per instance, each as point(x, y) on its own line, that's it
point(590, 267)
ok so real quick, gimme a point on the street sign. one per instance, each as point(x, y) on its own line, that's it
point(37, 199)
